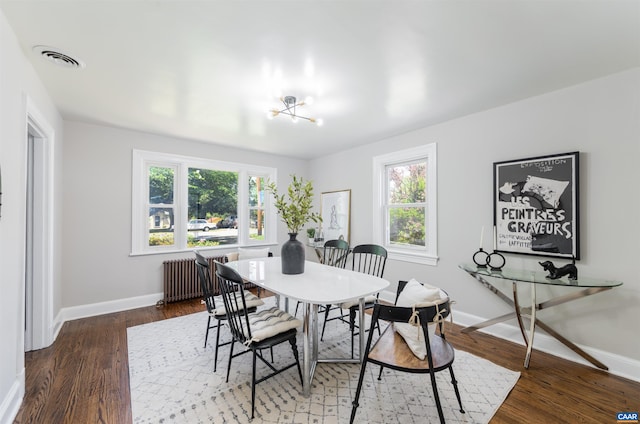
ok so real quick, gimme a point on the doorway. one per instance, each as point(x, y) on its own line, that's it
point(39, 233)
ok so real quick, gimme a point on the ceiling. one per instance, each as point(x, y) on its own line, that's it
point(210, 70)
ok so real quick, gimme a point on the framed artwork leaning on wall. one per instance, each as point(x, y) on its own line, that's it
point(336, 214)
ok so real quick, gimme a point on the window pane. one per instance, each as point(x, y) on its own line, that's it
point(256, 207)
point(407, 183)
point(161, 185)
point(212, 206)
point(256, 229)
point(160, 227)
point(256, 191)
point(407, 226)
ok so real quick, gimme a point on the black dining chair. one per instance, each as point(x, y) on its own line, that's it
point(219, 313)
point(334, 253)
point(391, 351)
point(369, 259)
point(261, 330)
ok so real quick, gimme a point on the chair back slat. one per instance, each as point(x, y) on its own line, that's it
point(335, 253)
point(232, 288)
point(369, 259)
point(402, 314)
point(206, 283)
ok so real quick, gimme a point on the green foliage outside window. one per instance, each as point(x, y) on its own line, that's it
point(407, 195)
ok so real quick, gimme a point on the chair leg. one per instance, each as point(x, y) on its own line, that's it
point(436, 396)
point(206, 335)
point(253, 385)
point(455, 387)
point(358, 389)
point(230, 358)
point(380, 374)
point(215, 357)
point(271, 349)
point(294, 347)
point(326, 316)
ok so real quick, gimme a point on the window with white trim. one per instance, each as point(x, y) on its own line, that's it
point(181, 202)
point(405, 208)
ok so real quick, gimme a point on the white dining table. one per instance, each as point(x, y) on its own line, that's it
point(318, 285)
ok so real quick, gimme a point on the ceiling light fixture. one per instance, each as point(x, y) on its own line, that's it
point(290, 103)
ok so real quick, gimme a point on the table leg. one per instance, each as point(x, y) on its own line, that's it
point(516, 304)
point(314, 335)
point(306, 351)
point(532, 326)
point(531, 311)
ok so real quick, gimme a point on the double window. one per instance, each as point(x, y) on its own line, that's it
point(405, 221)
point(181, 202)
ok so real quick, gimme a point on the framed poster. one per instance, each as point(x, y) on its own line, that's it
point(336, 214)
point(536, 206)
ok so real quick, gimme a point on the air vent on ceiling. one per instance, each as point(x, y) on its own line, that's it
point(58, 57)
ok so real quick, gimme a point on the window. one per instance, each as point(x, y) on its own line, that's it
point(405, 217)
point(180, 203)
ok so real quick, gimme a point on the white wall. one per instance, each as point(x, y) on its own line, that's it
point(17, 83)
point(601, 119)
point(97, 221)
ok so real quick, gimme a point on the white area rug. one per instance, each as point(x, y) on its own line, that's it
point(172, 381)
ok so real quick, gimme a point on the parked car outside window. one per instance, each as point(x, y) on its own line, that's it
point(200, 225)
point(229, 222)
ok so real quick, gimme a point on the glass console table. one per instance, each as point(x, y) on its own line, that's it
point(584, 287)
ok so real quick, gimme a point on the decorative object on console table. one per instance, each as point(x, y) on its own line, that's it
point(295, 212)
point(480, 258)
point(536, 205)
point(569, 270)
point(495, 261)
point(311, 234)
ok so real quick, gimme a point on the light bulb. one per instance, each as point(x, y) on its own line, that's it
point(308, 100)
point(294, 119)
point(319, 122)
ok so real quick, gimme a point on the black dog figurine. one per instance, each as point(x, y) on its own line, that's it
point(555, 273)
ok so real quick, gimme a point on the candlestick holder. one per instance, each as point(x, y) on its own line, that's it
point(496, 261)
point(481, 258)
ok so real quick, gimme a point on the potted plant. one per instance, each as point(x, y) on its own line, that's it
point(311, 234)
point(295, 211)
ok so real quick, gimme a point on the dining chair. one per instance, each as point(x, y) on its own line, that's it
point(257, 331)
point(369, 259)
point(249, 253)
point(334, 253)
point(391, 351)
point(219, 313)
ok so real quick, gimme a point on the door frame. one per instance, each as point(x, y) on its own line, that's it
point(39, 235)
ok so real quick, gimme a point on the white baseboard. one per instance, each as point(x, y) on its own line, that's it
point(101, 308)
point(11, 403)
point(618, 365)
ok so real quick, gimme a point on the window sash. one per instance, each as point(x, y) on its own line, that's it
point(427, 253)
point(141, 163)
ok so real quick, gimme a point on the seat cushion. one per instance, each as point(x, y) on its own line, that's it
point(416, 294)
point(252, 253)
point(271, 322)
point(250, 299)
point(243, 253)
point(349, 304)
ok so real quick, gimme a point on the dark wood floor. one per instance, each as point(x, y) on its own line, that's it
point(84, 376)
